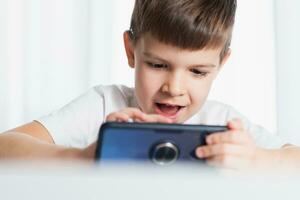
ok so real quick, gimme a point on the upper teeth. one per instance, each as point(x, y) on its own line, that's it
point(168, 104)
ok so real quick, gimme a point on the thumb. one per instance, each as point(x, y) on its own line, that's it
point(235, 124)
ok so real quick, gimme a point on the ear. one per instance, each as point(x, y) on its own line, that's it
point(129, 48)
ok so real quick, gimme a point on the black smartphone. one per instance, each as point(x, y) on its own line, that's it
point(151, 143)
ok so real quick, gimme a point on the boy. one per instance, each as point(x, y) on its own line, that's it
point(177, 48)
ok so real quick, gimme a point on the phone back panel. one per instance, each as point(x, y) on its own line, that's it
point(134, 141)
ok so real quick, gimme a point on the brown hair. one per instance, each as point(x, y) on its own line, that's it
point(187, 24)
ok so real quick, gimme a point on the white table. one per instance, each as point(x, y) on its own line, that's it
point(43, 181)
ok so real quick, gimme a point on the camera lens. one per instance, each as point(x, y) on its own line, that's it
point(164, 153)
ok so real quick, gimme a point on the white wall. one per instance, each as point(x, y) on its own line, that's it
point(53, 50)
point(288, 68)
point(248, 79)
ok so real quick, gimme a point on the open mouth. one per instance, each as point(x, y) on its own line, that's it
point(168, 110)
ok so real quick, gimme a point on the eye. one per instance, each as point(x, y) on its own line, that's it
point(157, 65)
point(198, 73)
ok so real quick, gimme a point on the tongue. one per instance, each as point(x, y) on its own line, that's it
point(168, 110)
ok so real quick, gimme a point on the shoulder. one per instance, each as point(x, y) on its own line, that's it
point(100, 100)
point(120, 91)
point(214, 107)
point(220, 110)
point(114, 97)
point(215, 113)
point(77, 123)
point(113, 90)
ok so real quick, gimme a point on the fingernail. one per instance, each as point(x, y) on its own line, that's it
point(208, 140)
point(137, 120)
point(199, 153)
point(143, 116)
point(170, 121)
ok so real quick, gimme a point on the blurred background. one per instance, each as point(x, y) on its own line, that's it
point(51, 51)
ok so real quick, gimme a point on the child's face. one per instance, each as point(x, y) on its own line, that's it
point(171, 81)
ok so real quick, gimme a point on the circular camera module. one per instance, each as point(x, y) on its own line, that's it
point(164, 153)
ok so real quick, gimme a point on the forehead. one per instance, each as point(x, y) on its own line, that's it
point(148, 46)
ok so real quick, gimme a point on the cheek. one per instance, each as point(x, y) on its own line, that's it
point(199, 90)
point(147, 84)
point(145, 79)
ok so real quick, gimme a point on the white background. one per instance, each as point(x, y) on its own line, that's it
point(51, 51)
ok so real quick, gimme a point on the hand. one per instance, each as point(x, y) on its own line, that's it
point(136, 115)
point(233, 149)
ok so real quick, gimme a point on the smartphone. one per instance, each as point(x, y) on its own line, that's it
point(151, 143)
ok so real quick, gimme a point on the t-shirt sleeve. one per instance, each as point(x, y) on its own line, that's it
point(77, 123)
point(262, 137)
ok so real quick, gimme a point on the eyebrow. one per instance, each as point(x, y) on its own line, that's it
point(148, 54)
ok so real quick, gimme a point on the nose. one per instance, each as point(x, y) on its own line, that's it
point(174, 85)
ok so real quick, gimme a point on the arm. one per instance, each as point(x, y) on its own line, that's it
point(288, 157)
point(33, 141)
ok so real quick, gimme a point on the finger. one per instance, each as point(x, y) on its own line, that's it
point(222, 149)
point(228, 162)
point(235, 124)
point(232, 137)
point(137, 120)
point(158, 119)
point(134, 113)
point(117, 116)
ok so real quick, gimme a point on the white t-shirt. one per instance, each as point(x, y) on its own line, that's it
point(77, 124)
